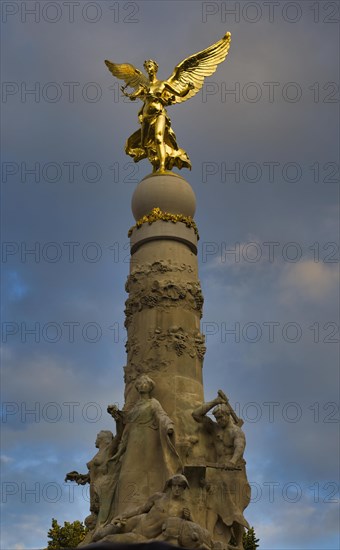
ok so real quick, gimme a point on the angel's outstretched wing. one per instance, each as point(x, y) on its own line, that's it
point(133, 77)
point(195, 68)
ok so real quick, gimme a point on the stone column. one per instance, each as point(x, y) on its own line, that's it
point(164, 306)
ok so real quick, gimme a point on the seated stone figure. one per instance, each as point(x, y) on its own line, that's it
point(165, 516)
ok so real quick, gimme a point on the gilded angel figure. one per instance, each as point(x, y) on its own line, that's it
point(156, 140)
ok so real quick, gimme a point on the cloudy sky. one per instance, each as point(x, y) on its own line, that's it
point(263, 137)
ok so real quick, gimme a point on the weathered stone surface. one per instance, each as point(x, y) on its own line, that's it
point(163, 231)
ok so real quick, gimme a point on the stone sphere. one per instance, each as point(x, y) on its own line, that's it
point(167, 191)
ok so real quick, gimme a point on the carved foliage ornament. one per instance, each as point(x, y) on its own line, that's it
point(157, 214)
point(164, 294)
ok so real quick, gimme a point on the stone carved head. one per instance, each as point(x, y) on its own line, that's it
point(144, 384)
point(177, 479)
point(104, 437)
point(222, 415)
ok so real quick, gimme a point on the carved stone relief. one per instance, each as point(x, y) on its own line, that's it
point(175, 339)
point(139, 272)
point(164, 295)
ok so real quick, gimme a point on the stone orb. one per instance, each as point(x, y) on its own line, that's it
point(167, 191)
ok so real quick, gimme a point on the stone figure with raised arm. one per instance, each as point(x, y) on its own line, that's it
point(228, 489)
point(99, 477)
point(156, 140)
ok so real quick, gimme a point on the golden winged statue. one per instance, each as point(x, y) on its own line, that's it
point(156, 140)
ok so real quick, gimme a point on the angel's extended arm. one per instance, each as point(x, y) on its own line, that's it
point(139, 93)
point(183, 93)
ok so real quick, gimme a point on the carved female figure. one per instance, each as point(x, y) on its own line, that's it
point(156, 140)
point(146, 455)
point(98, 466)
point(101, 480)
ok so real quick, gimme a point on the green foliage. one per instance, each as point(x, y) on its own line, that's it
point(249, 540)
point(69, 536)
